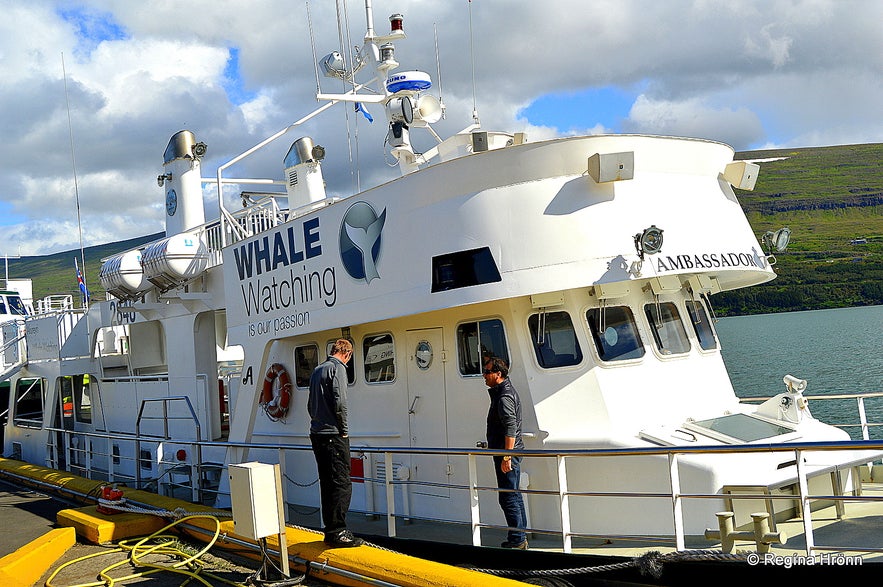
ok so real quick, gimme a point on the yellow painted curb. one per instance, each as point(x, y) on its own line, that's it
point(373, 563)
point(100, 528)
point(26, 565)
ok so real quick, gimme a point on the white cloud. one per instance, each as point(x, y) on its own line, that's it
point(751, 73)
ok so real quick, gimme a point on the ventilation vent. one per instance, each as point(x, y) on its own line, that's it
point(292, 177)
point(16, 451)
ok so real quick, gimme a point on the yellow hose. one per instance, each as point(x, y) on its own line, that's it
point(155, 544)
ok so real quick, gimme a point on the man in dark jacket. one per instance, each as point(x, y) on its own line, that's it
point(504, 431)
point(329, 436)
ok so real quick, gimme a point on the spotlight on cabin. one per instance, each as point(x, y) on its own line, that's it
point(333, 65)
point(199, 150)
point(161, 179)
point(648, 241)
point(777, 240)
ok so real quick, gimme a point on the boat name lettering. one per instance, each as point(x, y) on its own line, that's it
point(262, 297)
point(263, 255)
point(707, 261)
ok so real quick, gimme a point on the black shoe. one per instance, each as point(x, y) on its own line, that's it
point(516, 545)
point(343, 539)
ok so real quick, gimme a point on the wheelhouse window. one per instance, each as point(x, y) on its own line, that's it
point(16, 306)
point(478, 341)
point(464, 269)
point(554, 339)
point(701, 325)
point(615, 333)
point(667, 328)
point(378, 354)
point(306, 358)
point(350, 366)
point(29, 396)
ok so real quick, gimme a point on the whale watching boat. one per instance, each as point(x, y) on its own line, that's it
point(588, 263)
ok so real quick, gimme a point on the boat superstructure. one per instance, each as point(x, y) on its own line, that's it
point(586, 262)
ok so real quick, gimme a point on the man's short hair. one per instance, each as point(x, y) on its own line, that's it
point(497, 365)
point(341, 346)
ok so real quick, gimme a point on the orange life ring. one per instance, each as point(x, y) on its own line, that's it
point(276, 406)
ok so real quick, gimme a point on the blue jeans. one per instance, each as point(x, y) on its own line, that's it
point(511, 503)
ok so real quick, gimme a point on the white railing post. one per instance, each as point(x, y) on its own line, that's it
point(564, 498)
point(284, 480)
point(863, 418)
point(677, 505)
point(804, 502)
point(475, 513)
point(390, 496)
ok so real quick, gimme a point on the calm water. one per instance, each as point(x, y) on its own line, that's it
point(836, 351)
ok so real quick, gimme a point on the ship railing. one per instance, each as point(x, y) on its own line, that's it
point(864, 425)
point(567, 495)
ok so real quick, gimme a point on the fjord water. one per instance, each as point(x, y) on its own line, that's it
point(836, 351)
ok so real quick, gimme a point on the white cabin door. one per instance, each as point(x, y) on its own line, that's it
point(427, 410)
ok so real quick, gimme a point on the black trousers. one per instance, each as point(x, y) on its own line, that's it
point(332, 453)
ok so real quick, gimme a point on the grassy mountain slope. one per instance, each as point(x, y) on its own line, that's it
point(832, 200)
point(830, 197)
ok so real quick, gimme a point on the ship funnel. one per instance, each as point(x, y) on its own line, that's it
point(303, 173)
point(182, 183)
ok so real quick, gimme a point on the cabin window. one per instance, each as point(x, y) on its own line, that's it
point(667, 328)
point(554, 340)
point(378, 354)
point(464, 269)
point(76, 393)
point(306, 358)
point(615, 333)
point(29, 396)
point(701, 325)
point(350, 366)
point(16, 306)
point(477, 341)
point(2, 306)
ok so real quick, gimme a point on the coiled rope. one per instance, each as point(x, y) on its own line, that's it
point(157, 543)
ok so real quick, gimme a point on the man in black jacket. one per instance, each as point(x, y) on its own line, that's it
point(504, 431)
point(329, 436)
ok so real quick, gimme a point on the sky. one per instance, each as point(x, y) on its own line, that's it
point(91, 91)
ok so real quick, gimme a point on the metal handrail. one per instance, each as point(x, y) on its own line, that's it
point(860, 398)
point(673, 454)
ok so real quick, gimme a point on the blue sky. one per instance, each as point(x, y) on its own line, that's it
point(606, 106)
point(753, 74)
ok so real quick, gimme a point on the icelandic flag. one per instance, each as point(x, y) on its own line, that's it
point(81, 283)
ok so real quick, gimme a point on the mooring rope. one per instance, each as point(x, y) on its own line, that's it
point(649, 563)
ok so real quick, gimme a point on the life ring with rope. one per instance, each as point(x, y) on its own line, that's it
point(276, 403)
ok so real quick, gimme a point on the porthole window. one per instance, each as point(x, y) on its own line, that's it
point(378, 354)
point(306, 358)
point(667, 328)
point(701, 325)
point(615, 333)
point(477, 341)
point(554, 340)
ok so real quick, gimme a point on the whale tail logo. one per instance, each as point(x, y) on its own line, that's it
point(360, 238)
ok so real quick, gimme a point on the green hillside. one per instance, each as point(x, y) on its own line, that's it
point(830, 197)
point(832, 200)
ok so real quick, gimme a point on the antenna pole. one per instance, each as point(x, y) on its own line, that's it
point(76, 189)
point(472, 56)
